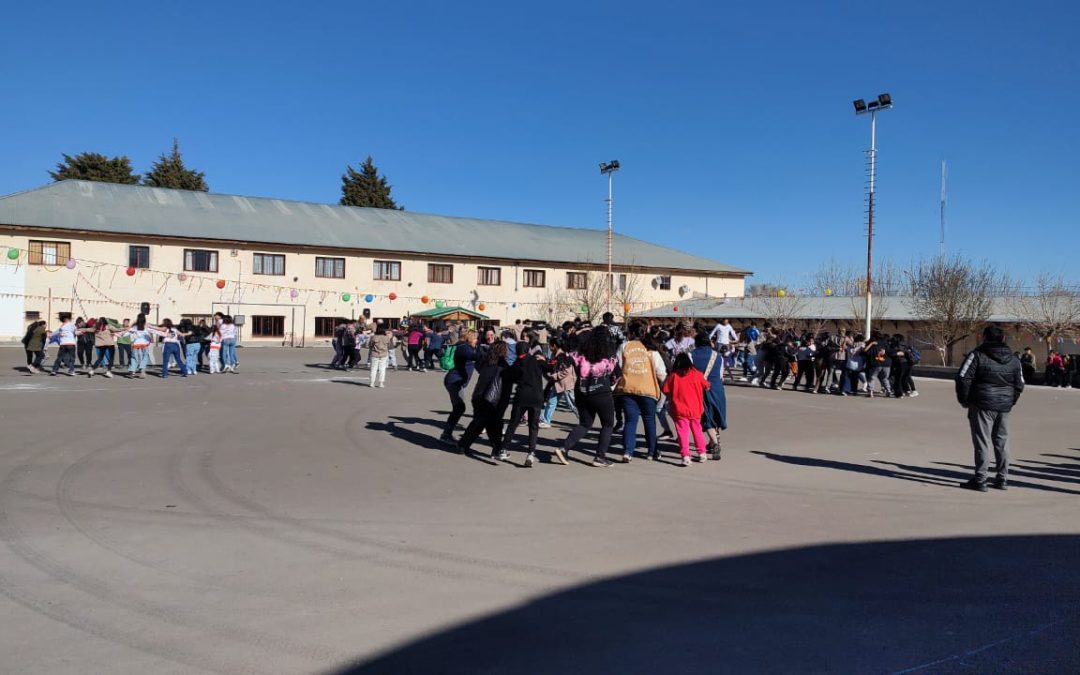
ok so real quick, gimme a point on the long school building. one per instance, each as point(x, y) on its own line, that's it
point(292, 269)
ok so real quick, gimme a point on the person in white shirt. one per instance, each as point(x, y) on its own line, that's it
point(723, 334)
point(68, 337)
point(228, 344)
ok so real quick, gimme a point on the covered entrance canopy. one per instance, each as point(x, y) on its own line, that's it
point(449, 314)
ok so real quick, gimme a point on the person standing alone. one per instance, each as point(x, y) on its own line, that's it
point(989, 384)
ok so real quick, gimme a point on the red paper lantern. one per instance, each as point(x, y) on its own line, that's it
point(131, 271)
point(675, 308)
point(392, 296)
point(425, 299)
point(220, 283)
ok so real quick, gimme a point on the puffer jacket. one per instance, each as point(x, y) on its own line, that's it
point(990, 378)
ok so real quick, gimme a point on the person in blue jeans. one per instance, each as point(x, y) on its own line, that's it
point(561, 381)
point(456, 380)
point(170, 347)
point(643, 374)
point(192, 335)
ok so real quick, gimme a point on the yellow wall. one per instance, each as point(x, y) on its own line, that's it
point(99, 285)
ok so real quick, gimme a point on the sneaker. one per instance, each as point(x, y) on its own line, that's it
point(560, 456)
point(701, 457)
point(530, 460)
point(1000, 484)
point(913, 394)
point(382, 385)
point(974, 484)
point(716, 453)
point(108, 373)
point(371, 384)
point(686, 460)
point(448, 439)
point(626, 459)
point(601, 462)
point(71, 373)
point(90, 373)
point(544, 425)
point(32, 369)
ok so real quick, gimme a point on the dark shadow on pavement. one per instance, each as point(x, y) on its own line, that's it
point(961, 476)
point(850, 466)
point(1019, 470)
point(969, 605)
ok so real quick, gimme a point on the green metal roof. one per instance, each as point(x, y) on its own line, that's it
point(438, 312)
point(148, 211)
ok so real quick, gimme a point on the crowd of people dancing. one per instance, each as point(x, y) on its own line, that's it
point(103, 345)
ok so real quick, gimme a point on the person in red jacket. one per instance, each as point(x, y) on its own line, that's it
point(685, 387)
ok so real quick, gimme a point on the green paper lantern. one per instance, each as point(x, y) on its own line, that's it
point(13, 254)
point(440, 304)
point(584, 309)
point(345, 297)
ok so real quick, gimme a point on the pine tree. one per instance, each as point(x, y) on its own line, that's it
point(96, 167)
point(169, 172)
point(366, 188)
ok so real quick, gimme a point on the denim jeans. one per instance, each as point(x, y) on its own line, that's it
point(635, 407)
point(550, 404)
point(192, 361)
point(169, 351)
point(228, 352)
point(139, 358)
point(104, 355)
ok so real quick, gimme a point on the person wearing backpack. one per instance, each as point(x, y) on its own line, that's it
point(457, 379)
point(489, 400)
point(878, 366)
point(643, 373)
point(714, 413)
point(527, 376)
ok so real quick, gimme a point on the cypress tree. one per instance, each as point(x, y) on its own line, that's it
point(366, 187)
point(169, 172)
point(95, 166)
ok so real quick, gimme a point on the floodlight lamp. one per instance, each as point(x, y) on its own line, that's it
point(614, 164)
point(884, 99)
point(603, 167)
point(860, 106)
point(873, 105)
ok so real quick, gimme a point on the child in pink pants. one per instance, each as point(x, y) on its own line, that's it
point(685, 388)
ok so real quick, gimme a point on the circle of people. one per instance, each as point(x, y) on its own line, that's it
point(99, 345)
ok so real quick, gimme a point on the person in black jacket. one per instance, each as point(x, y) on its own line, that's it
point(989, 384)
point(527, 374)
point(489, 400)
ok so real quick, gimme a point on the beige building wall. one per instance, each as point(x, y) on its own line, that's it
point(99, 286)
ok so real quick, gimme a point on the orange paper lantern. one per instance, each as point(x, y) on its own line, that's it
point(480, 307)
point(626, 308)
point(425, 299)
point(220, 283)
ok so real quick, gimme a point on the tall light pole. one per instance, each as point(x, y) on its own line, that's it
point(883, 102)
point(609, 170)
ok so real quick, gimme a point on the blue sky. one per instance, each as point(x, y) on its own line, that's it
point(733, 122)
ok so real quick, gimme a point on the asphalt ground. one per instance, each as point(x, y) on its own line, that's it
point(289, 519)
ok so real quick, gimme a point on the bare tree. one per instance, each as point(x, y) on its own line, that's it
point(879, 308)
point(589, 301)
point(1052, 311)
point(558, 303)
point(782, 309)
point(840, 279)
point(953, 298)
point(629, 290)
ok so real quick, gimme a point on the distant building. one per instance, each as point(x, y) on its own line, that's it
point(291, 269)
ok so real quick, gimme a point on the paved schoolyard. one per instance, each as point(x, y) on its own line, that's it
point(286, 520)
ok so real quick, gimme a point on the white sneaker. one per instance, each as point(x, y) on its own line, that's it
point(701, 457)
point(371, 384)
point(530, 459)
point(913, 394)
point(382, 385)
point(108, 373)
point(544, 425)
point(90, 373)
point(686, 460)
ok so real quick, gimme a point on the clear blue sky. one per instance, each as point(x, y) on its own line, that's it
point(733, 123)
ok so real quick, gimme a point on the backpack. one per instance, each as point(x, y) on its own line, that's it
point(913, 354)
point(446, 361)
point(753, 334)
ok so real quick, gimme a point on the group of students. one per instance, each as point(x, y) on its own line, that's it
point(96, 343)
point(843, 363)
point(606, 375)
point(1061, 370)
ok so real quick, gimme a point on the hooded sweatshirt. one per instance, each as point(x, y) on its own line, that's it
point(990, 378)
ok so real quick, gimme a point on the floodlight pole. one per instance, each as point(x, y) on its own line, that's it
point(870, 226)
point(610, 278)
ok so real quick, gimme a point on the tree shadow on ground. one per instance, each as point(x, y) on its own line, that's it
point(927, 605)
point(856, 468)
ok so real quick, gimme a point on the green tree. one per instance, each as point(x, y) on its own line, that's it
point(366, 188)
point(97, 167)
point(169, 172)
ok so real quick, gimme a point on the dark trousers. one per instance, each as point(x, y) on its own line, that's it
point(336, 362)
point(1028, 371)
point(457, 404)
point(105, 355)
point(348, 353)
point(486, 417)
point(412, 357)
point(35, 358)
point(516, 415)
point(125, 354)
point(591, 406)
point(65, 358)
point(85, 353)
point(805, 372)
point(431, 357)
point(780, 370)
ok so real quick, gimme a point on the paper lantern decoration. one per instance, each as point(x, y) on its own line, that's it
point(626, 308)
point(513, 306)
point(220, 283)
point(131, 271)
point(675, 308)
point(481, 307)
point(440, 304)
point(392, 296)
point(425, 299)
point(13, 254)
point(345, 297)
point(294, 294)
point(369, 297)
point(584, 309)
point(828, 292)
point(181, 276)
point(781, 293)
point(70, 264)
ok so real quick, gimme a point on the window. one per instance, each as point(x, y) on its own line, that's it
point(32, 316)
point(533, 278)
point(139, 257)
point(269, 263)
point(49, 252)
point(196, 318)
point(618, 282)
point(199, 260)
point(267, 326)
point(440, 274)
point(488, 276)
point(326, 325)
point(577, 281)
point(665, 283)
point(387, 270)
point(330, 268)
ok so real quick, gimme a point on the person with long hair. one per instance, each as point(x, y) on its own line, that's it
point(34, 343)
point(457, 379)
point(140, 346)
point(228, 344)
point(170, 347)
point(489, 399)
point(527, 375)
point(714, 413)
point(85, 344)
point(643, 372)
point(105, 346)
point(561, 379)
point(686, 387)
point(597, 371)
